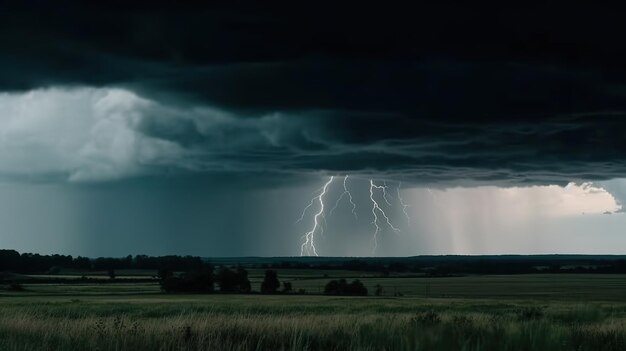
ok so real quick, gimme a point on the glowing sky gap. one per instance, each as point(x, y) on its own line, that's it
point(403, 204)
point(345, 192)
point(308, 246)
point(381, 221)
point(435, 201)
point(375, 208)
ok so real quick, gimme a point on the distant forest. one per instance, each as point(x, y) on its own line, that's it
point(13, 261)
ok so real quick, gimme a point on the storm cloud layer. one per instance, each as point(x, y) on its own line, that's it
point(430, 94)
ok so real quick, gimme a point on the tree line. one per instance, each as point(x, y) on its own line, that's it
point(451, 265)
point(13, 261)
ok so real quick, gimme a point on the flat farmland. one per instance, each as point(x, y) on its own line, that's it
point(492, 312)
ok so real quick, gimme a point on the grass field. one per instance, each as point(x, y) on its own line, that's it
point(523, 312)
point(581, 287)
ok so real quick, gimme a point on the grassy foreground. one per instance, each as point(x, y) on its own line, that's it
point(253, 322)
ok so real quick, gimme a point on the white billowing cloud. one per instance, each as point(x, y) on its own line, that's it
point(520, 203)
point(83, 133)
point(94, 134)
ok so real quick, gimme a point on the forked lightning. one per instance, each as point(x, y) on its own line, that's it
point(308, 246)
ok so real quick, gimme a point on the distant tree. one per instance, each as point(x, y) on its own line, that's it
point(270, 284)
point(226, 279)
point(243, 281)
point(357, 288)
point(111, 273)
point(81, 263)
point(341, 287)
point(332, 287)
point(9, 260)
point(233, 281)
point(379, 290)
point(128, 261)
point(193, 282)
point(287, 287)
point(164, 273)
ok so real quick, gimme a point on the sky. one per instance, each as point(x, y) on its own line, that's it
point(215, 129)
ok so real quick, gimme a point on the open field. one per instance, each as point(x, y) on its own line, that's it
point(544, 286)
point(573, 287)
point(522, 312)
point(223, 322)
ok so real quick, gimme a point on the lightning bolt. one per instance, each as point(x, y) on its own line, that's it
point(403, 204)
point(304, 211)
point(308, 206)
point(376, 208)
point(384, 187)
point(345, 192)
point(319, 219)
point(309, 245)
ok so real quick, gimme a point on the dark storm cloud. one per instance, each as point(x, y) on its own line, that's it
point(441, 92)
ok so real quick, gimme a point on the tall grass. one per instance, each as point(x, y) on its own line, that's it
point(33, 328)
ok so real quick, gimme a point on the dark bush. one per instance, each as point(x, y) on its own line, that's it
point(195, 282)
point(341, 287)
point(233, 281)
point(164, 273)
point(270, 284)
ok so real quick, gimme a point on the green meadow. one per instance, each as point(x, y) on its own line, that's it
point(500, 312)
